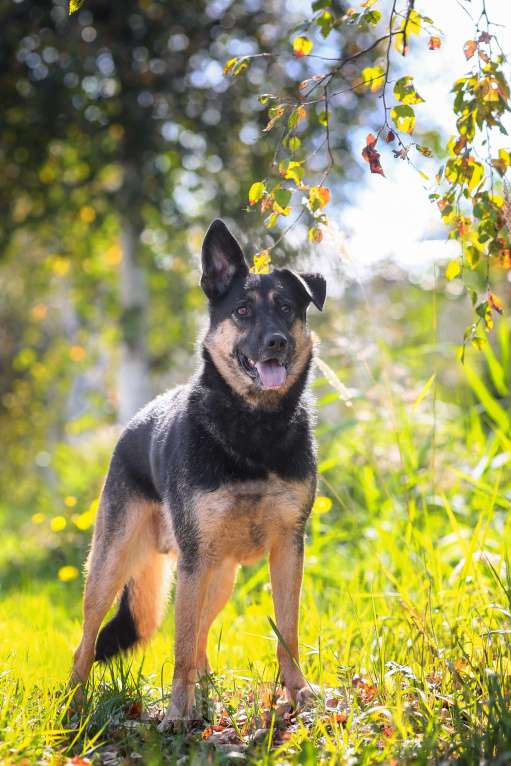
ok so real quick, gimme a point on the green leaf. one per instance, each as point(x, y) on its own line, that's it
point(424, 391)
point(282, 197)
point(404, 91)
point(403, 118)
point(372, 17)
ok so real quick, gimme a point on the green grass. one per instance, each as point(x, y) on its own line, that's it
point(406, 611)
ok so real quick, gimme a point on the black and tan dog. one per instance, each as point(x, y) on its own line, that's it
point(216, 473)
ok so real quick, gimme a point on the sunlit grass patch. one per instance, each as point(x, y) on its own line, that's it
point(405, 620)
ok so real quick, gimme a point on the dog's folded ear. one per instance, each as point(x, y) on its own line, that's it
point(312, 286)
point(222, 260)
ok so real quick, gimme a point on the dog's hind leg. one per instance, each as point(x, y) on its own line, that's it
point(219, 589)
point(123, 551)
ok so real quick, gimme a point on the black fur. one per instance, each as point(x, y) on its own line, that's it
point(120, 633)
point(204, 435)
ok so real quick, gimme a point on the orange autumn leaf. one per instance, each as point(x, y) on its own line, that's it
point(319, 196)
point(469, 49)
point(434, 43)
point(495, 303)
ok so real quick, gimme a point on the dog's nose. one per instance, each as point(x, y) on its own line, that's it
point(275, 341)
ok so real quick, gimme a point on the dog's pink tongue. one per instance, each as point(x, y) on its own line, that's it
point(272, 374)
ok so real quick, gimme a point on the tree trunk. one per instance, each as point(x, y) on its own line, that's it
point(133, 385)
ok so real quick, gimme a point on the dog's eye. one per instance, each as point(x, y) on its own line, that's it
point(243, 311)
point(285, 308)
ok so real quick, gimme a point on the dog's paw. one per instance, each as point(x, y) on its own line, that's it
point(181, 716)
point(178, 724)
point(302, 697)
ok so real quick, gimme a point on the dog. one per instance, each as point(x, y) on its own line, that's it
point(215, 474)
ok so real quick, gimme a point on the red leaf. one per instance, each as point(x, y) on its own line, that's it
point(134, 710)
point(371, 156)
point(390, 137)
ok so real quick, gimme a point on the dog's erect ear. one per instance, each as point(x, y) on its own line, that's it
point(222, 260)
point(313, 286)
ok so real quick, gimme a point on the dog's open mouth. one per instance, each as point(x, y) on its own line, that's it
point(270, 373)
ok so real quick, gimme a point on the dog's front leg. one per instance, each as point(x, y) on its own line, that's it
point(286, 568)
point(191, 586)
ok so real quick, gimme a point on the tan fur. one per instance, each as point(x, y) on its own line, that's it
point(219, 589)
point(303, 351)
point(221, 343)
point(243, 520)
point(132, 553)
point(286, 569)
point(191, 589)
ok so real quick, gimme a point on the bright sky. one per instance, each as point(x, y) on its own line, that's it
point(393, 216)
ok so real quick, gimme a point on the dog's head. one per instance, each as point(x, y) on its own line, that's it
point(258, 337)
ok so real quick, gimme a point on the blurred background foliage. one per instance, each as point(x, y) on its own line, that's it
point(120, 140)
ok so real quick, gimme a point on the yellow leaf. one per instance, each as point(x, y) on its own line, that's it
point(302, 46)
point(75, 5)
point(372, 78)
point(414, 23)
point(453, 270)
point(256, 192)
point(229, 65)
point(262, 262)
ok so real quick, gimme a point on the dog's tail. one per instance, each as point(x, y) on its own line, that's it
point(140, 611)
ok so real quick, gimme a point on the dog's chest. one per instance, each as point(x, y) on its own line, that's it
point(243, 520)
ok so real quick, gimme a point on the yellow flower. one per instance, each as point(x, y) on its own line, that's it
point(58, 523)
point(70, 501)
point(84, 520)
point(321, 504)
point(68, 573)
point(38, 518)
